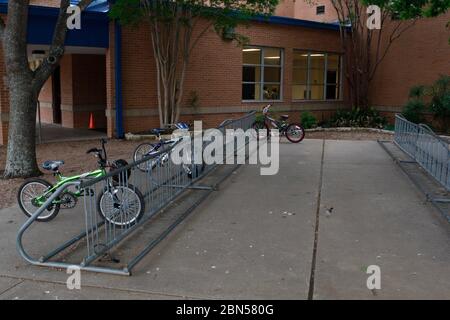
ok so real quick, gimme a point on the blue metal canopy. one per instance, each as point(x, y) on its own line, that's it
point(94, 30)
point(94, 24)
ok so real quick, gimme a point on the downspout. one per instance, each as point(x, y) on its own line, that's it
point(118, 78)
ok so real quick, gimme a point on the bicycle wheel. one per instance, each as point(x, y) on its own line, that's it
point(295, 133)
point(30, 198)
point(143, 150)
point(262, 130)
point(121, 205)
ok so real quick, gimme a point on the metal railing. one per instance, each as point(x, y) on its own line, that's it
point(430, 151)
point(156, 183)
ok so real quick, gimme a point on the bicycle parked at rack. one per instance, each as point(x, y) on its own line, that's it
point(294, 132)
point(120, 203)
point(147, 149)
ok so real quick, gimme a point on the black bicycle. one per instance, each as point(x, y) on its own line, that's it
point(294, 132)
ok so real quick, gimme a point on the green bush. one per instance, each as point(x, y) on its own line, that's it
point(434, 98)
point(308, 120)
point(367, 118)
point(417, 92)
point(259, 118)
point(413, 110)
point(440, 100)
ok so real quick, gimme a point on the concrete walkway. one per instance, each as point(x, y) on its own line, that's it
point(335, 208)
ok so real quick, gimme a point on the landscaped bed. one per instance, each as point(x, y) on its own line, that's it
point(77, 161)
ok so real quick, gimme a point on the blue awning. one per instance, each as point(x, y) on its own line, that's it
point(94, 30)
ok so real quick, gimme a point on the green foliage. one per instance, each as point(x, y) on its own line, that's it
point(193, 100)
point(413, 110)
point(409, 9)
point(415, 107)
point(259, 118)
point(417, 92)
point(224, 15)
point(367, 118)
point(440, 99)
point(308, 120)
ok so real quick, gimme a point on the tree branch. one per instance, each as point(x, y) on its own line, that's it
point(56, 50)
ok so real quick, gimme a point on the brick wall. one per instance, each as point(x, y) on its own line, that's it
point(417, 57)
point(214, 73)
point(83, 90)
point(307, 11)
point(46, 3)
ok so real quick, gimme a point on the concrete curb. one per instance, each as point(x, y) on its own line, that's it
point(348, 129)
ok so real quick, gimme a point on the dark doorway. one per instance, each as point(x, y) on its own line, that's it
point(56, 95)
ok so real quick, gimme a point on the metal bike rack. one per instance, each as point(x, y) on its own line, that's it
point(430, 151)
point(428, 164)
point(96, 237)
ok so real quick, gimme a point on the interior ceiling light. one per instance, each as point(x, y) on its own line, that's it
point(314, 55)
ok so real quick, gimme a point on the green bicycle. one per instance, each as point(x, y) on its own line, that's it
point(120, 204)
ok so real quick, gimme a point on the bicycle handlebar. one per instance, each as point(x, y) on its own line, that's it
point(100, 153)
point(266, 109)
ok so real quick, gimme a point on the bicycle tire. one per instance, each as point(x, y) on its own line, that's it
point(138, 155)
point(20, 193)
point(135, 219)
point(302, 135)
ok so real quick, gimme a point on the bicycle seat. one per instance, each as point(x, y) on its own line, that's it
point(158, 131)
point(52, 164)
point(284, 117)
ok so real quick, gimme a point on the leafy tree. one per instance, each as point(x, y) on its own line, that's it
point(24, 84)
point(176, 26)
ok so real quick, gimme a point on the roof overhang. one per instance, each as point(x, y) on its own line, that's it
point(94, 30)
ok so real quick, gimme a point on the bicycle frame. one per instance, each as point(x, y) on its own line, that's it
point(61, 180)
point(277, 124)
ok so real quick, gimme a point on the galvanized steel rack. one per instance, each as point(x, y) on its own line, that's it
point(93, 238)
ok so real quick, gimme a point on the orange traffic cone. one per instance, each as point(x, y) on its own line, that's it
point(91, 121)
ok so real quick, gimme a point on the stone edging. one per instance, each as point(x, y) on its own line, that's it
point(348, 129)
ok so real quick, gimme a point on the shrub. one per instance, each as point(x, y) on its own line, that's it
point(367, 118)
point(308, 120)
point(413, 111)
point(440, 100)
point(417, 92)
point(259, 118)
point(434, 98)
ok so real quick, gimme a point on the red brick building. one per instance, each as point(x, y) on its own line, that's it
point(419, 56)
point(293, 62)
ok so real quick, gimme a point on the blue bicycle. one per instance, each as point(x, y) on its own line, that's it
point(147, 149)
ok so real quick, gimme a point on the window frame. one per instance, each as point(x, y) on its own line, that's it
point(317, 10)
point(261, 70)
point(339, 85)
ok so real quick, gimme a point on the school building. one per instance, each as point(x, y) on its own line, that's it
point(294, 61)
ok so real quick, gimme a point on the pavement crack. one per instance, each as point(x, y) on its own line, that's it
point(12, 287)
point(316, 228)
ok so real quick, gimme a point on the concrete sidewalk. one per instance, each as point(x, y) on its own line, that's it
point(255, 238)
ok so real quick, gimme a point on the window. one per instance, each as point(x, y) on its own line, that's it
point(261, 73)
point(316, 76)
point(320, 10)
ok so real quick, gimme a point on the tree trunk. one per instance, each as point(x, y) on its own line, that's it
point(21, 152)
